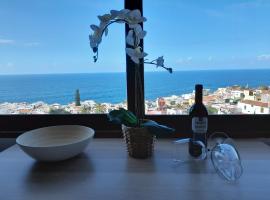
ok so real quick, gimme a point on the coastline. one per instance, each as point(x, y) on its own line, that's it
point(111, 87)
point(227, 100)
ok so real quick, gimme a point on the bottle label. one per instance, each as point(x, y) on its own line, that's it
point(199, 124)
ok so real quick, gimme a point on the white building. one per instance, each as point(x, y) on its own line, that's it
point(249, 95)
point(254, 107)
point(174, 112)
point(237, 94)
point(265, 97)
point(187, 96)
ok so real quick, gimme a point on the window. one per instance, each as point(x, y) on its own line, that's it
point(234, 125)
point(46, 65)
point(222, 45)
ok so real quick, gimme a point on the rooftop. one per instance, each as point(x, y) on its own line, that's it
point(255, 103)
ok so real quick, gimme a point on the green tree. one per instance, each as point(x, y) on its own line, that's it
point(100, 108)
point(77, 98)
point(211, 110)
point(85, 110)
point(263, 87)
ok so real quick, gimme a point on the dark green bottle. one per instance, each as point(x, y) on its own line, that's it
point(199, 123)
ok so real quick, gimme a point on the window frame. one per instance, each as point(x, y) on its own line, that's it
point(236, 126)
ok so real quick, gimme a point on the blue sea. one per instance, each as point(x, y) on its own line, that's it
point(111, 87)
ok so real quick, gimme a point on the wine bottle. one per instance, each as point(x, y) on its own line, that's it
point(199, 123)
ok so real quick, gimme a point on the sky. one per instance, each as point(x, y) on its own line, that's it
point(40, 37)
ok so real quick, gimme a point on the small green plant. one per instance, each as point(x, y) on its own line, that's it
point(127, 118)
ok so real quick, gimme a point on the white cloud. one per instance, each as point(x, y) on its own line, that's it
point(189, 58)
point(10, 64)
point(180, 60)
point(251, 4)
point(263, 57)
point(5, 41)
point(7, 65)
point(10, 42)
point(7, 68)
point(184, 60)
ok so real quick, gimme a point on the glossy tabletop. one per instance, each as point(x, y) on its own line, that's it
point(104, 171)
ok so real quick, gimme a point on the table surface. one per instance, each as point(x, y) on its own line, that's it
point(104, 171)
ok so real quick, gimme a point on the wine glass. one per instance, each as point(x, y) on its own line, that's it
point(226, 158)
point(182, 150)
point(223, 152)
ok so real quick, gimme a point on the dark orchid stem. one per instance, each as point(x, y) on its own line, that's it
point(153, 63)
point(139, 97)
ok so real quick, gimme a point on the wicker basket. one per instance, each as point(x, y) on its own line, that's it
point(140, 143)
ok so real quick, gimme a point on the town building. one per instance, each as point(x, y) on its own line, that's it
point(254, 107)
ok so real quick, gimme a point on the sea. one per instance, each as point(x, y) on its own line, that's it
point(111, 87)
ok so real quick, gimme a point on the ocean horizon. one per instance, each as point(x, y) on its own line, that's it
point(156, 71)
point(111, 87)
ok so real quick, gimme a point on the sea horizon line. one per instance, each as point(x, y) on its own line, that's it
point(121, 72)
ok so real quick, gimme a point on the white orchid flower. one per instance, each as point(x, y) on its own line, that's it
point(96, 37)
point(140, 33)
point(137, 33)
point(130, 38)
point(104, 21)
point(93, 42)
point(119, 14)
point(122, 13)
point(97, 31)
point(103, 27)
point(114, 13)
point(160, 61)
point(134, 17)
point(105, 18)
point(94, 27)
point(135, 54)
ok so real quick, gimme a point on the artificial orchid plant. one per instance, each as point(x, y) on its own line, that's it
point(133, 18)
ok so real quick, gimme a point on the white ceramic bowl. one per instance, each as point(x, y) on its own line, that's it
point(55, 143)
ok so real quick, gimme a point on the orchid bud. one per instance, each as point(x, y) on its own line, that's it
point(95, 49)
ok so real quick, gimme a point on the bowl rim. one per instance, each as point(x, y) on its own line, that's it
point(19, 138)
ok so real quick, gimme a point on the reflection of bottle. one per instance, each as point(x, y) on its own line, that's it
point(198, 115)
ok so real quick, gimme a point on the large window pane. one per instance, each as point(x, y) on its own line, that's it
point(45, 57)
point(223, 45)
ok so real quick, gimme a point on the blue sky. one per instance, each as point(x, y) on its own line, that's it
point(51, 36)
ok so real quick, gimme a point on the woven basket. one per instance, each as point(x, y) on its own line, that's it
point(140, 143)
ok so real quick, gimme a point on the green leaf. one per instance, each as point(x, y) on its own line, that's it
point(123, 116)
point(157, 129)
